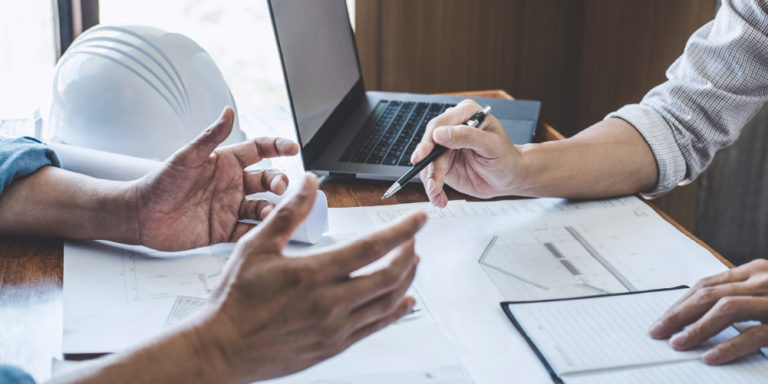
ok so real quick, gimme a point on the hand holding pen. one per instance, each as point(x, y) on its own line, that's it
point(474, 121)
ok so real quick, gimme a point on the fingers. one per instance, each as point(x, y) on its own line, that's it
point(340, 262)
point(730, 276)
point(433, 178)
point(276, 230)
point(255, 209)
point(268, 180)
point(747, 342)
point(485, 144)
point(377, 293)
point(403, 308)
point(699, 299)
point(253, 151)
point(727, 311)
point(694, 307)
point(197, 152)
point(240, 230)
point(454, 116)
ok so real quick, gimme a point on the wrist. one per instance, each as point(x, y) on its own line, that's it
point(520, 170)
point(178, 357)
point(214, 346)
point(115, 204)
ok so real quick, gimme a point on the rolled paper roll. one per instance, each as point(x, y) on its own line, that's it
point(102, 165)
point(312, 229)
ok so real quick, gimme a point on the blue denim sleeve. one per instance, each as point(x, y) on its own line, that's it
point(13, 375)
point(23, 156)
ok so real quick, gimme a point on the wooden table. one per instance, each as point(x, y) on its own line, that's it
point(31, 269)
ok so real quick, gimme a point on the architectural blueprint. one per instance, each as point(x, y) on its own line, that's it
point(117, 294)
point(549, 263)
point(474, 255)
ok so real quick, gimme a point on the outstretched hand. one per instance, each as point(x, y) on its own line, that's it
point(274, 315)
point(197, 196)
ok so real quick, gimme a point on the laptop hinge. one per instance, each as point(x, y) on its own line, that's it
point(343, 174)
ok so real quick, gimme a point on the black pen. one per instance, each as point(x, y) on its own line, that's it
point(436, 152)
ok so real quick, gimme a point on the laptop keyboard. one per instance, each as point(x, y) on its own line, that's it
point(391, 134)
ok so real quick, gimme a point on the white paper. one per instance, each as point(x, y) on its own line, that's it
point(64, 367)
point(599, 334)
point(413, 350)
point(459, 292)
point(119, 295)
point(635, 241)
point(748, 370)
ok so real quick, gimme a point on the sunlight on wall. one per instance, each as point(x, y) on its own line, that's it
point(236, 33)
point(27, 56)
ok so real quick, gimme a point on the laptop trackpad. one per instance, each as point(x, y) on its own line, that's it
point(519, 131)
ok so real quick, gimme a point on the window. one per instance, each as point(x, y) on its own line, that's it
point(27, 56)
point(236, 33)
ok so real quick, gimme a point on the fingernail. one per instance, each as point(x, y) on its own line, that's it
point(430, 186)
point(422, 220)
point(656, 329)
point(223, 113)
point(442, 135)
point(679, 340)
point(415, 151)
point(711, 356)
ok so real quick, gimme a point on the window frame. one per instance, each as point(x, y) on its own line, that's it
point(71, 18)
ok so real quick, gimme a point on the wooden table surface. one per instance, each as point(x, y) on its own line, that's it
point(31, 269)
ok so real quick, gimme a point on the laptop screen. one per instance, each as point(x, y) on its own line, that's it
point(319, 58)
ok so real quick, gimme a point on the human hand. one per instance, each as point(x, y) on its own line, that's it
point(481, 161)
point(715, 303)
point(197, 196)
point(272, 315)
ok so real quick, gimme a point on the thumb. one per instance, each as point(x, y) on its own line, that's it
point(486, 144)
point(275, 232)
point(195, 153)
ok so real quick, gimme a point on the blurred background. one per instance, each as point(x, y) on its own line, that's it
point(236, 33)
point(581, 58)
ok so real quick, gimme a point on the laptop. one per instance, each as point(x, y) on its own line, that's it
point(342, 129)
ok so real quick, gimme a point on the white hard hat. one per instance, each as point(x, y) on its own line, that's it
point(137, 91)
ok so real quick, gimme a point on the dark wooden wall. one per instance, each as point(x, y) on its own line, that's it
point(581, 58)
point(732, 214)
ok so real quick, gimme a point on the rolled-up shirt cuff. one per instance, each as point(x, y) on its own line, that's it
point(658, 134)
point(23, 156)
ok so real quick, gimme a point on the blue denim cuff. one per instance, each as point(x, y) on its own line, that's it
point(13, 375)
point(23, 156)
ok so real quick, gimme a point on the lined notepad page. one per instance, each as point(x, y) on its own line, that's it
point(749, 370)
point(586, 335)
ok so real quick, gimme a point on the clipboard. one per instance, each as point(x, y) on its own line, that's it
point(552, 373)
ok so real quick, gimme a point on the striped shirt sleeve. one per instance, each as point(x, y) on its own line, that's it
point(712, 91)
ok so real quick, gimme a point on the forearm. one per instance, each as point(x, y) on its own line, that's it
point(179, 357)
point(608, 159)
point(54, 202)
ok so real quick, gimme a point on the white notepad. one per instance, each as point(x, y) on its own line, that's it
point(605, 340)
